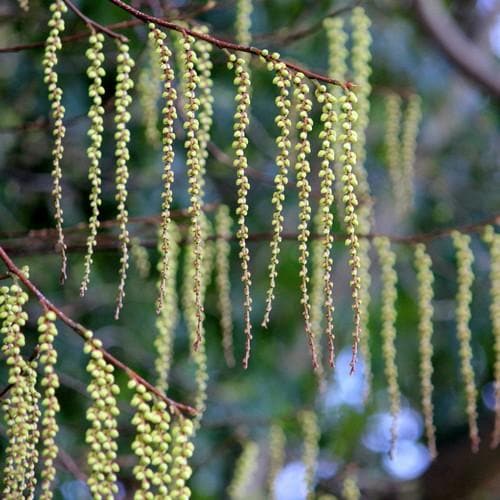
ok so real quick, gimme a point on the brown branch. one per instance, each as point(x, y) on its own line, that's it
point(467, 56)
point(224, 44)
point(81, 331)
point(43, 241)
point(94, 25)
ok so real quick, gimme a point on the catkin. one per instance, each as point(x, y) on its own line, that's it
point(465, 278)
point(149, 90)
point(195, 170)
point(411, 124)
point(425, 280)
point(302, 169)
point(240, 144)
point(181, 433)
point(243, 22)
point(95, 73)
point(169, 112)
point(140, 257)
point(50, 383)
point(350, 489)
point(311, 435)
point(244, 472)
point(348, 138)
point(327, 177)
point(282, 80)
point(493, 241)
point(123, 100)
point(393, 146)
point(168, 317)
point(223, 224)
point(20, 407)
point(102, 435)
point(364, 304)
point(387, 259)
point(337, 68)
point(53, 44)
point(277, 441)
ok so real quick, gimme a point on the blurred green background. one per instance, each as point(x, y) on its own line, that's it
point(457, 182)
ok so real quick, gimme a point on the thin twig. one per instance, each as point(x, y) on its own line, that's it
point(81, 331)
point(224, 44)
point(92, 24)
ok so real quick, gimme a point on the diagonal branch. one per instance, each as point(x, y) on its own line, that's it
point(224, 44)
point(461, 51)
point(81, 331)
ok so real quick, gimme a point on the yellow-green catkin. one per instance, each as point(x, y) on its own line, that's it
point(282, 80)
point(95, 73)
point(425, 278)
point(24, 4)
point(326, 155)
point(149, 90)
point(195, 177)
point(140, 257)
point(223, 225)
point(245, 471)
point(361, 70)
point(389, 278)
point(53, 45)
point(182, 449)
point(198, 354)
point(350, 488)
point(493, 241)
point(21, 404)
point(364, 305)
point(311, 434)
point(277, 441)
point(168, 317)
point(50, 383)
point(151, 444)
point(123, 100)
point(240, 144)
point(243, 22)
point(169, 114)
point(337, 68)
point(102, 435)
point(204, 67)
point(348, 138)
point(465, 278)
point(393, 117)
point(411, 124)
point(302, 169)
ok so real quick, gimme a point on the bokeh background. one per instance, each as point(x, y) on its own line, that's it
point(456, 180)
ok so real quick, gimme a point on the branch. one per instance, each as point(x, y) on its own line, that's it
point(461, 51)
point(81, 331)
point(223, 44)
point(42, 241)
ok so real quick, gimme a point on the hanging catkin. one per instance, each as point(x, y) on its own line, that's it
point(393, 147)
point(95, 73)
point(223, 224)
point(53, 44)
point(327, 177)
point(302, 169)
point(168, 317)
point(240, 144)
point(50, 383)
point(282, 80)
point(337, 68)
point(123, 100)
point(425, 278)
point(244, 472)
point(350, 488)
point(311, 435)
point(348, 138)
point(389, 278)
point(465, 278)
point(493, 241)
point(195, 171)
point(277, 441)
point(169, 114)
